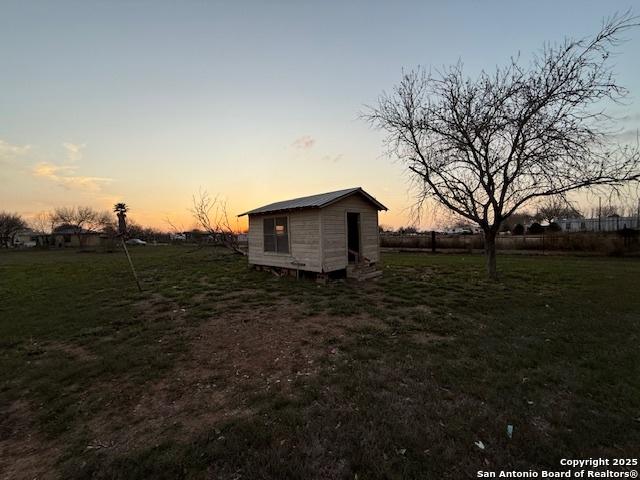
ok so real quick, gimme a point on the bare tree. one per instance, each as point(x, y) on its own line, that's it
point(211, 215)
point(81, 220)
point(10, 225)
point(556, 207)
point(610, 210)
point(485, 147)
point(174, 229)
point(42, 222)
point(625, 202)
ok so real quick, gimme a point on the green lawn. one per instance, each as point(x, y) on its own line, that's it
point(218, 371)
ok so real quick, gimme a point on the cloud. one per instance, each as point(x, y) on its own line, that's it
point(332, 158)
point(628, 136)
point(634, 117)
point(304, 143)
point(64, 175)
point(45, 169)
point(74, 150)
point(8, 152)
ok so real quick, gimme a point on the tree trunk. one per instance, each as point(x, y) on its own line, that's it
point(490, 253)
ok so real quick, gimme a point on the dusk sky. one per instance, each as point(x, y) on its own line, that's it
point(146, 102)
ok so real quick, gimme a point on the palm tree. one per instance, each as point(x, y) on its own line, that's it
point(121, 212)
point(120, 208)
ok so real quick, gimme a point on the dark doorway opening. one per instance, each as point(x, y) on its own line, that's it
point(353, 237)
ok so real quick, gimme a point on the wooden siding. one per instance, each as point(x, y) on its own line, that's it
point(334, 231)
point(304, 241)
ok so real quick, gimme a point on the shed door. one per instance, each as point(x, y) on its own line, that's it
point(353, 237)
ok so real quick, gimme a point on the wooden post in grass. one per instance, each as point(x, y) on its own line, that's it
point(133, 270)
point(121, 213)
point(298, 265)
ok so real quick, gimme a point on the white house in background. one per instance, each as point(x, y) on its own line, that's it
point(26, 238)
point(611, 223)
point(321, 233)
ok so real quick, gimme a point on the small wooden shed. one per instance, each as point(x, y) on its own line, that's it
point(321, 233)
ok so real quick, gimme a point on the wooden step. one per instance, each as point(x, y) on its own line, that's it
point(363, 271)
point(370, 275)
point(361, 267)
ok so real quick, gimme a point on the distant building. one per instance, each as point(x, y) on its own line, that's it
point(466, 230)
point(196, 235)
point(66, 236)
point(612, 223)
point(26, 238)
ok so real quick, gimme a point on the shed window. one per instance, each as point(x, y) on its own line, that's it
point(276, 235)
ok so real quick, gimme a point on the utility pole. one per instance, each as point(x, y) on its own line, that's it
point(599, 214)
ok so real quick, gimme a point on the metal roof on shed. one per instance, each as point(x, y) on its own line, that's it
point(314, 201)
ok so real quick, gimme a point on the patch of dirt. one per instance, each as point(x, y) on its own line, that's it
point(270, 350)
point(424, 338)
point(541, 424)
point(75, 351)
point(345, 325)
point(157, 307)
point(199, 298)
point(155, 303)
point(23, 453)
point(270, 345)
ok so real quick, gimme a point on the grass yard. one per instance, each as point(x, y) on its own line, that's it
point(218, 371)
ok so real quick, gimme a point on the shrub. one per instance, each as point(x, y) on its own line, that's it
point(518, 229)
point(555, 227)
point(536, 228)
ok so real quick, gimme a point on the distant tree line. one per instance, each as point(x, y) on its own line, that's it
point(74, 221)
point(545, 217)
